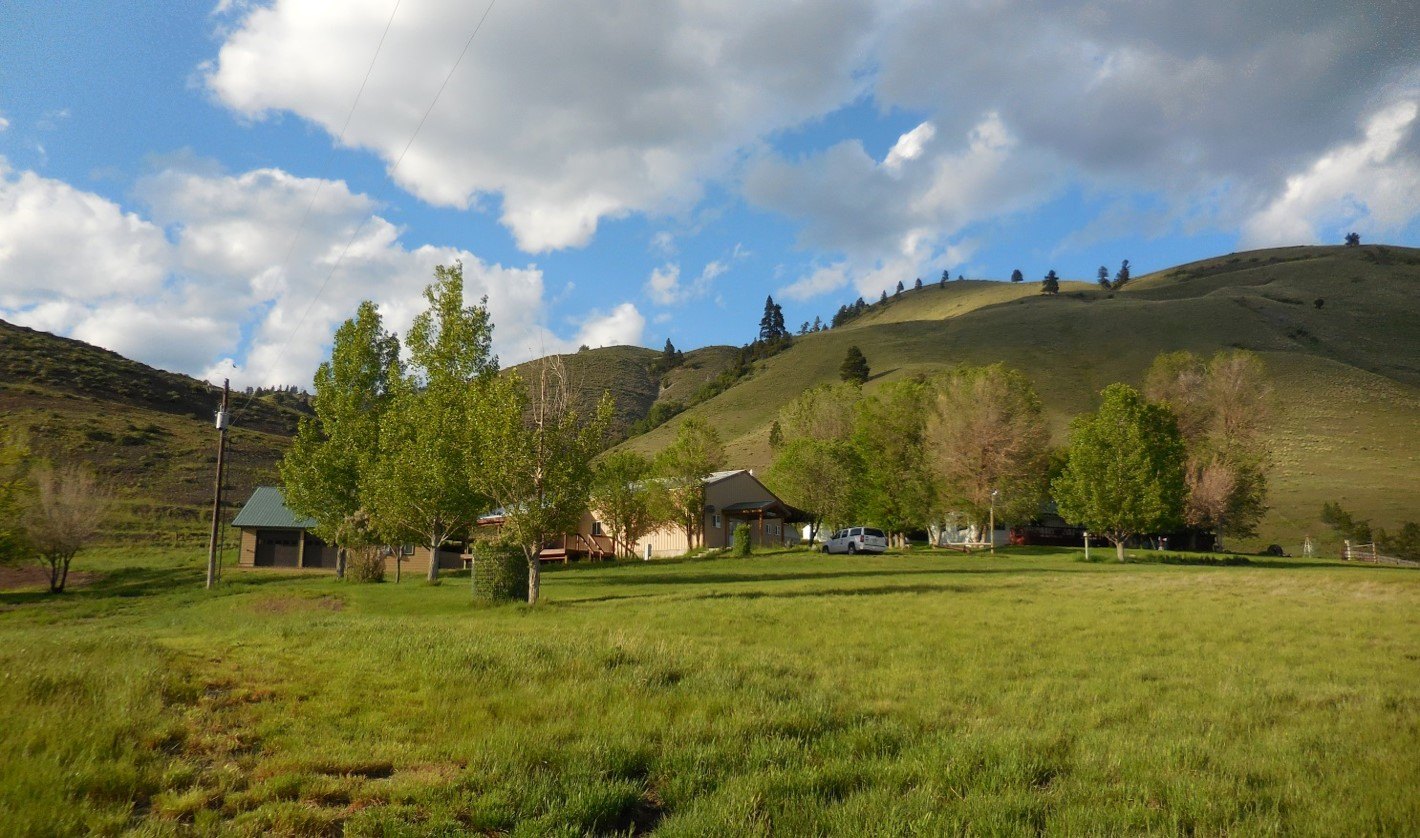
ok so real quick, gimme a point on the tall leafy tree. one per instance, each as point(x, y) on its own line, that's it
point(1051, 283)
point(334, 451)
point(985, 433)
point(1124, 474)
point(824, 412)
point(1017, 276)
point(532, 454)
point(819, 476)
point(63, 517)
point(897, 491)
point(627, 501)
point(1223, 410)
point(854, 367)
point(419, 489)
point(683, 465)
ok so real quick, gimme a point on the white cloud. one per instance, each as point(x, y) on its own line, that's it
point(893, 219)
point(232, 290)
point(665, 288)
point(1368, 184)
point(572, 113)
point(4, 123)
point(57, 242)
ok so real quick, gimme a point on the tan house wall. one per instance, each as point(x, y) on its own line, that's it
point(719, 528)
point(246, 551)
point(418, 563)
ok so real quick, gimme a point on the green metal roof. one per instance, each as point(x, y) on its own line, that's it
point(267, 509)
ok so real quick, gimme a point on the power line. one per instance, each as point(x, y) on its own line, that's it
point(398, 161)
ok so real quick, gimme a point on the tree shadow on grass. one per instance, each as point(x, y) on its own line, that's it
point(143, 581)
point(792, 576)
point(873, 590)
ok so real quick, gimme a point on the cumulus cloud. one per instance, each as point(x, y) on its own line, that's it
point(665, 288)
point(254, 272)
point(1370, 183)
point(572, 114)
point(58, 242)
point(890, 219)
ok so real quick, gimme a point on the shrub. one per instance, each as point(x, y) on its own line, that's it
point(741, 543)
point(366, 564)
point(500, 573)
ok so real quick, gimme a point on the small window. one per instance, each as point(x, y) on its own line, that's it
point(855, 531)
point(406, 549)
point(715, 521)
point(597, 528)
point(873, 532)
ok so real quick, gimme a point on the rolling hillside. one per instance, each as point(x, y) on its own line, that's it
point(147, 431)
point(1346, 373)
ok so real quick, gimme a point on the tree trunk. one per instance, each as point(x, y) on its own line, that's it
point(1119, 548)
point(433, 575)
point(54, 575)
point(534, 578)
point(398, 563)
point(340, 562)
point(64, 573)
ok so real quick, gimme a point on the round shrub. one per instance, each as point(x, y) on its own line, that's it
point(500, 573)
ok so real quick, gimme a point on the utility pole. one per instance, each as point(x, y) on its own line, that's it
point(217, 487)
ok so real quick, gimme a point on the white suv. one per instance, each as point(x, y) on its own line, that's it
point(856, 540)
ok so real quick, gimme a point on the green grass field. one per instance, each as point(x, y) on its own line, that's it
point(790, 694)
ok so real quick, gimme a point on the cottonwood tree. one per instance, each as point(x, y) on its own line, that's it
point(896, 485)
point(626, 498)
point(335, 450)
point(824, 412)
point(985, 433)
point(1124, 474)
point(683, 465)
point(820, 477)
point(418, 489)
point(532, 450)
point(1223, 411)
point(67, 508)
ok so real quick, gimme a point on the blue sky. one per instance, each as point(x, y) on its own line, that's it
point(171, 186)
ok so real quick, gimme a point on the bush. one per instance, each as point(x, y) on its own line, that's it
point(741, 543)
point(365, 564)
point(500, 573)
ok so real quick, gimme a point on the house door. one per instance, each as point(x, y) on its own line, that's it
point(277, 548)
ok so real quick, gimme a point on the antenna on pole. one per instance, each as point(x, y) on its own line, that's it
point(222, 421)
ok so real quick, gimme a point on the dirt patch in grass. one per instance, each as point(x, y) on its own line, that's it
point(35, 576)
point(286, 604)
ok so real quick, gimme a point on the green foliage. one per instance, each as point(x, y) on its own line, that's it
point(1344, 525)
point(776, 435)
point(821, 477)
point(500, 573)
point(418, 489)
point(626, 500)
point(1125, 472)
point(531, 453)
point(335, 450)
point(741, 544)
point(896, 487)
point(1051, 283)
point(661, 413)
point(15, 496)
point(1017, 276)
point(684, 464)
point(854, 367)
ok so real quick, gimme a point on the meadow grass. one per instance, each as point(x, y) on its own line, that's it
point(791, 693)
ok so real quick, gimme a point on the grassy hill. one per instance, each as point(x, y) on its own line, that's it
point(1346, 373)
point(147, 431)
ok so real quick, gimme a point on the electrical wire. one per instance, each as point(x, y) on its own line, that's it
point(398, 161)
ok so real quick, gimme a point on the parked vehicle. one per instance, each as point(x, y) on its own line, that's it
point(856, 540)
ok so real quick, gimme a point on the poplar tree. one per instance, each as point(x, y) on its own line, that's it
point(625, 498)
point(684, 464)
point(419, 489)
point(334, 452)
point(1124, 474)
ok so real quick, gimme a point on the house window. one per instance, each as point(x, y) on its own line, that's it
point(406, 549)
point(597, 528)
point(715, 521)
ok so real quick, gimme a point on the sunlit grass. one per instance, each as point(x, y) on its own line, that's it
point(787, 694)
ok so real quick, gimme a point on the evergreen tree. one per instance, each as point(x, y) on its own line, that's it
point(883, 298)
point(776, 436)
point(1051, 284)
point(818, 324)
point(899, 288)
point(1353, 239)
point(918, 286)
point(766, 322)
point(777, 324)
point(1103, 276)
point(1123, 275)
point(942, 283)
point(840, 317)
point(804, 329)
point(1017, 276)
point(854, 366)
point(859, 305)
